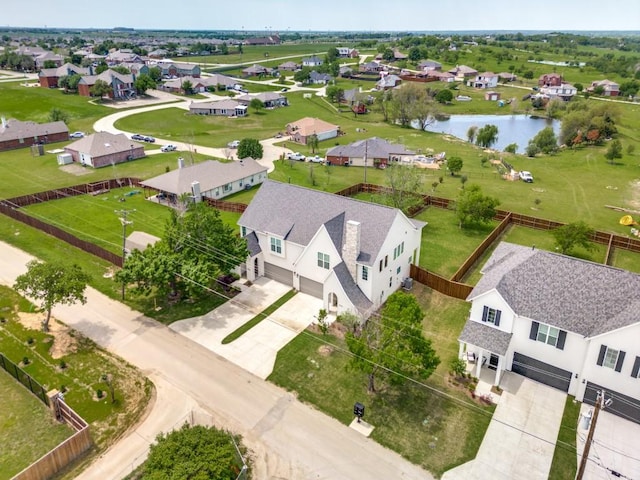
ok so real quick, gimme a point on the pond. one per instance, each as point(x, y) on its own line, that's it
point(517, 129)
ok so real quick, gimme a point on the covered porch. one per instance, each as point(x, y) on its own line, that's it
point(484, 348)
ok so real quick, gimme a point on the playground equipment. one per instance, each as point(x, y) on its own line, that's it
point(628, 221)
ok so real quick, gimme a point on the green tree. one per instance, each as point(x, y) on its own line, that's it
point(574, 234)
point(156, 74)
point(52, 284)
point(472, 206)
point(404, 184)
point(528, 74)
point(388, 55)
point(393, 345)
point(198, 453)
point(187, 87)
point(196, 248)
point(334, 93)
point(511, 148)
point(545, 140)
point(49, 64)
point(102, 67)
point(444, 96)
point(471, 133)
point(256, 104)
point(415, 54)
point(121, 69)
point(143, 83)
point(454, 165)
point(101, 89)
point(250, 147)
point(614, 151)
point(312, 143)
point(332, 55)
point(302, 75)
point(487, 136)
point(57, 115)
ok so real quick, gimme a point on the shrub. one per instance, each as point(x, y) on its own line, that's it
point(62, 364)
point(458, 367)
point(30, 340)
point(26, 361)
point(99, 393)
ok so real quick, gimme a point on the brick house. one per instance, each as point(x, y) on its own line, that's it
point(49, 77)
point(121, 85)
point(103, 149)
point(16, 134)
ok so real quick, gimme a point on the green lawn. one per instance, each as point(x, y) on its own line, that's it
point(565, 463)
point(23, 418)
point(432, 431)
point(85, 364)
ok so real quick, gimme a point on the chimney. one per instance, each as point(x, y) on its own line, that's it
point(4, 122)
point(180, 162)
point(351, 247)
point(195, 190)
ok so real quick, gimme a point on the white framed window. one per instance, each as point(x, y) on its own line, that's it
point(323, 260)
point(365, 273)
point(227, 188)
point(610, 358)
point(276, 245)
point(491, 315)
point(548, 334)
point(244, 231)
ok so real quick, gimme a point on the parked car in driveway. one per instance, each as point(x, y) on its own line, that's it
point(234, 144)
point(316, 159)
point(168, 148)
point(296, 156)
point(526, 176)
point(76, 135)
point(137, 136)
point(149, 139)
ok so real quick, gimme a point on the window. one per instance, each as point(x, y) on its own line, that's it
point(398, 270)
point(386, 260)
point(380, 265)
point(390, 281)
point(491, 315)
point(276, 245)
point(635, 371)
point(244, 231)
point(547, 334)
point(611, 358)
point(227, 187)
point(365, 273)
point(323, 260)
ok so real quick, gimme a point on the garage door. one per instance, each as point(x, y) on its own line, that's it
point(621, 405)
point(311, 287)
point(541, 372)
point(278, 274)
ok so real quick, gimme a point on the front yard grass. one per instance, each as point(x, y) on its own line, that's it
point(565, 460)
point(24, 418)
point(426, 427)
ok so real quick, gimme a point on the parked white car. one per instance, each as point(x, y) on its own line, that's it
point(234, 144)
point(526, 176)
point(316, 159)
point(168, 148)
point(76, 135)
point(296, 156)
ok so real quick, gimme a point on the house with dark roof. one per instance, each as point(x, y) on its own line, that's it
point(609, 88)
point(17, 134)
point(349, 253)
point(103, 149)
point(312, 61)
point(256, 71)
point(175, 69)
point(289, 66)
point(316, 78)
point(374, 152)
point(560, 320)
point(268, 99)
point(48, 77)
point(121, 84)
point(210, 179)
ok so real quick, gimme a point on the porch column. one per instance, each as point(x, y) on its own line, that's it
point(498, 370)
point(460, 349)
point(479, 362)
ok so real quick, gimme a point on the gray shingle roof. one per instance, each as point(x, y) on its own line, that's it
point(375, 148)
point(103, 143)
point(359, 300)
point(15, 129)
point(572, 294)
point(486, 337)
point(210, 174)
point(253, 245)
point(296, 213)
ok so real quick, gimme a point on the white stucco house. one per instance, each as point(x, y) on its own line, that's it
point(565, 322)
point(349, 253)
point(565, 91)
point(484, 80)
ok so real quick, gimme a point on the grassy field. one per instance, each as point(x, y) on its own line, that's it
point(84, 364)
point(565, 462)
point(428, 429)
point(24, 418)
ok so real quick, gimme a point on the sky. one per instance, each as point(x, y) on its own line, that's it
point(305, 15)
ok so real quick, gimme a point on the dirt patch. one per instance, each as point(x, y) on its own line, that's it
point(63, 342)
point(325, 350)
point(75, 169)
point(634, 201)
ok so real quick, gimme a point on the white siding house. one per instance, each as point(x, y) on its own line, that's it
point(562, 321)
point(349, 253)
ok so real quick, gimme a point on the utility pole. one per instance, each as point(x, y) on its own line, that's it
point(587, 446)
point(123, 219)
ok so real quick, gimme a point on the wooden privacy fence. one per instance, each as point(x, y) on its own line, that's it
point(226, 206)
point(66, 452)
point(440, 284)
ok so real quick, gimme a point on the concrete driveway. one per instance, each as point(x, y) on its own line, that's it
point(521, 437)
point(256, 350)
point(614, 447)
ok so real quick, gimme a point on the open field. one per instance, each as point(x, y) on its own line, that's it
point(406, 419)
point(23, 418)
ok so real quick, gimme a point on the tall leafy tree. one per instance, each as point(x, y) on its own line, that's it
point(614, 151)
point(256, 104)
point(101, 89)
point(404, 184)
point(52, 284)
point(312, 143)
point(472, 206)
point(454, 165)
point(57, 115)
point(250, 147)
point(487, 136)
point(545, 140)
point(143, 83)
point(574, 234)
point(197, 452)
point(393, 345)
point(187, 87)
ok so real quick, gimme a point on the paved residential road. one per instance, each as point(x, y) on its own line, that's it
point(290, 440)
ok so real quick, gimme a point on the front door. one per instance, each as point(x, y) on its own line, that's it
point(255, 268)
point(493, 361)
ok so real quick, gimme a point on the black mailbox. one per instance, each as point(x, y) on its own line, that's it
point(358, 410)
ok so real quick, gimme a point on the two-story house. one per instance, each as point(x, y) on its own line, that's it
point(565, 91)
point(349, 253)
point(484, 80)
point(565, 322)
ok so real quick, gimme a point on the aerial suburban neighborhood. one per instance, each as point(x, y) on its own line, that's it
point(333, 252)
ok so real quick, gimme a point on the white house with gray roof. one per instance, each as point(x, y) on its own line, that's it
point(374, 152)
point(349, 253)
point(562, 321)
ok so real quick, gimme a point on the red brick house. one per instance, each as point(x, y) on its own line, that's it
point(103, 149)
point(550, 80)
point(121, 85)
point(16, 134)
point(49, 77)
